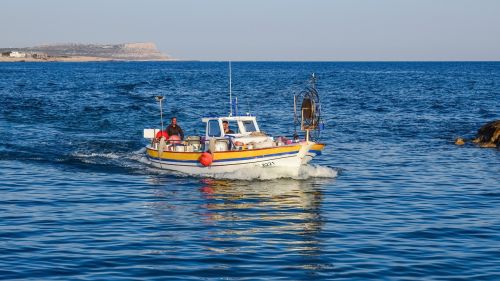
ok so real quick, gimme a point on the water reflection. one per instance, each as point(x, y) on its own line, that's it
point(272, 225)
point(277, 213)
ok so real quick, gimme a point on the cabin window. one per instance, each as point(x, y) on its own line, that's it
point(249, 126)
point(233, 125)
point(214, 128)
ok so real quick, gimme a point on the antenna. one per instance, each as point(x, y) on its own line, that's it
point(235, 111)
point(160, 98)
point(230, 92)
point(295, 117)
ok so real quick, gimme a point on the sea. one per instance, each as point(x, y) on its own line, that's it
point(390, 198)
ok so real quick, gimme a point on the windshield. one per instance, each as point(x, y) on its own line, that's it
point(213, 128)
point(249, 126)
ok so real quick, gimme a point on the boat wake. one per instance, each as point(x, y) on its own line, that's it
point(259, 173)
point(271, 173)
point(140, 164)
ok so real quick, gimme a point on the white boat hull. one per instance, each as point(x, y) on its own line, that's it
point(291, 157)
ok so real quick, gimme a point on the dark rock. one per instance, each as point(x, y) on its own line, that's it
point(489, 135)
point(459, 141)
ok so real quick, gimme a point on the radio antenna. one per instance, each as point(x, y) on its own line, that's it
point(230, 92)
point(160, 99)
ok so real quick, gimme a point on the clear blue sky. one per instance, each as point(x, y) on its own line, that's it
point(266, 29)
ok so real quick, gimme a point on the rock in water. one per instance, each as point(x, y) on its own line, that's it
point(459, 141)
point(489, 135)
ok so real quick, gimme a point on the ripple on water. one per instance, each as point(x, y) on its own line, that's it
point(390, 198)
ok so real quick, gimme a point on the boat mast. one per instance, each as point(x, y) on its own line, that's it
point(230, 92)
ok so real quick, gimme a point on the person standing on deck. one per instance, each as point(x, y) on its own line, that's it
point(175, 130)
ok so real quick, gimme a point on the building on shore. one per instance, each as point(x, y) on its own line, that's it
point(39, 55)
point(15, 54)
point(29, 55)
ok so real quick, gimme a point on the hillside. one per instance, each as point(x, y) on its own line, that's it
point(127, 51)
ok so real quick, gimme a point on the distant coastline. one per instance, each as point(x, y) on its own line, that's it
point(72, 52)
point(56, 59)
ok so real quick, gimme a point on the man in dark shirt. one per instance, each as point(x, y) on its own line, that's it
point(174, 129)
point(225, 125)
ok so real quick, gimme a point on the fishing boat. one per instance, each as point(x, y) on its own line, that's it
point(245, 148)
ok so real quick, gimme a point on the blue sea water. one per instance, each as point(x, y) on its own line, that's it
point(391, 197)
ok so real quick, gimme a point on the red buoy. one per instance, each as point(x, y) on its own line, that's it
point(162, 134)
point(205, 159)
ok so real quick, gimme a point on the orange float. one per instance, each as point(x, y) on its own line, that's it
point(205, 159)
point(161, 134)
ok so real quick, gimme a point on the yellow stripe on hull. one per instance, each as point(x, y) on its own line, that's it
point(318, 146)
point(225, 155)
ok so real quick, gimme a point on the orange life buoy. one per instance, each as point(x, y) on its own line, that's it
point(205, 159)
point(162, 134)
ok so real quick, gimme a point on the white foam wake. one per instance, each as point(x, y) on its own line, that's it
point(271, 173)
point(248, 174)
point(95, 155)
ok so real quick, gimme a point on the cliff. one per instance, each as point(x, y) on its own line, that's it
point(128, 51)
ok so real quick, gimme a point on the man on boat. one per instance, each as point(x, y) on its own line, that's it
point(225, 126)
point(175, 130)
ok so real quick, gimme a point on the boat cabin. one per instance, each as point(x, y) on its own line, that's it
point(240, 125)
point(246, 135)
